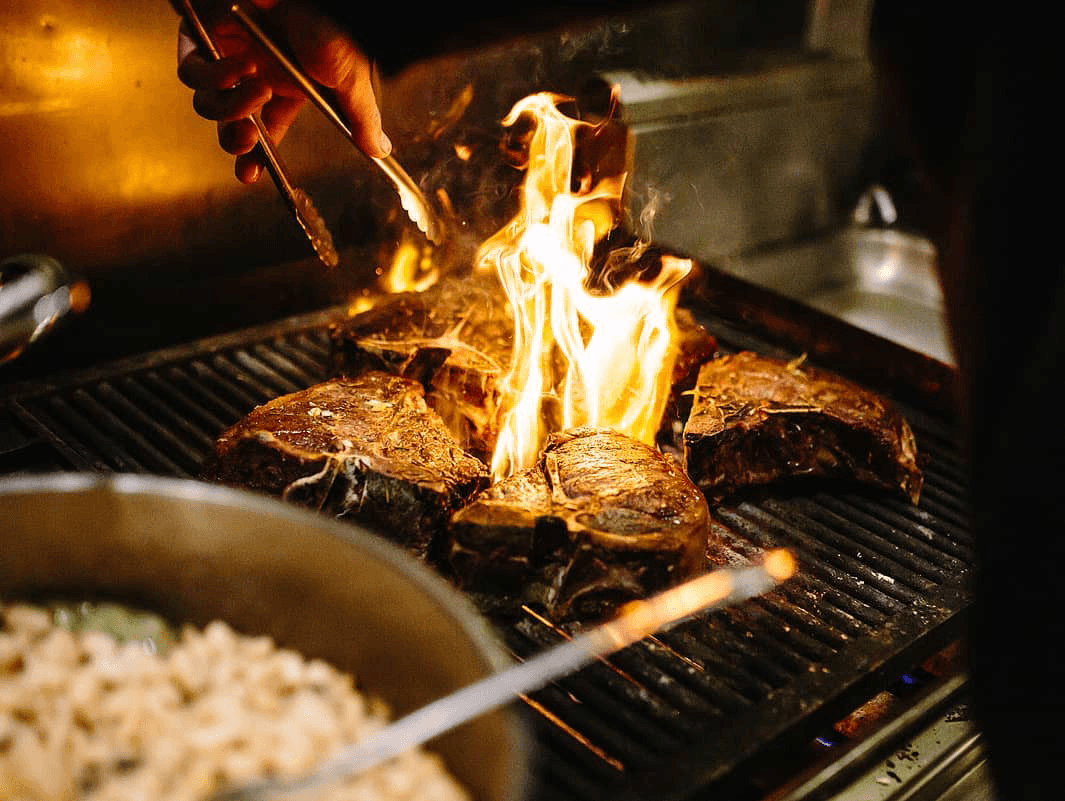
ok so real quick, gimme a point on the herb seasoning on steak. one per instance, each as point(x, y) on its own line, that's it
point(600, 519)
point(454, 337)
point(366, 448)
point(756, 420)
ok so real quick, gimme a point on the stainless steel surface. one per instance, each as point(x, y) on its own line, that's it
point(297, 201)
point(726, 164)
point(410, 195)
point(839, 27)
point(194, 553)
point(712, 591)
point(881, 280)
point(932, 751)
point(108, 168)
point(36, 292)
point(755, 153)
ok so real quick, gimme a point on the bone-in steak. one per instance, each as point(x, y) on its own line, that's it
point(454, 337)
point(365, 448)
point(756, 420)
point(599, 519)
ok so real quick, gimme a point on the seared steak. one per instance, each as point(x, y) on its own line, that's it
point(365, 448)
point(454, 337)
point(598, 520)
point(695, 345)
point(756, 420)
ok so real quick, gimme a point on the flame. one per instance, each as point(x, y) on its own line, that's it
point(412, 268)
point(578, 358)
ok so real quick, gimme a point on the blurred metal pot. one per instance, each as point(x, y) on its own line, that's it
point(194, 553)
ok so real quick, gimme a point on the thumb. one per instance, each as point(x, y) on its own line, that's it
point(332, 58)
point(359, 102)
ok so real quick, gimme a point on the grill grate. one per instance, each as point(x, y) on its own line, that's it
point(883, 584)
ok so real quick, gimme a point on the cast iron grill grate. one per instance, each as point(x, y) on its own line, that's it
point(883, 583)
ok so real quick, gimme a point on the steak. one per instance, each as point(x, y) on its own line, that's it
point(756, 420)
point(695, 345)
point(454, 338)
point(600, 519)
point(366, 449)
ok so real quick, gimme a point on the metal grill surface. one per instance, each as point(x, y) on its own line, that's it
point(883, 583)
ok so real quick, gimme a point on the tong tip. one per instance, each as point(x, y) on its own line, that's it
point(315, 228)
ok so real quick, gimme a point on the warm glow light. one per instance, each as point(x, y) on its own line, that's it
point(781, 564)
point(412, 268)
point(578, 358)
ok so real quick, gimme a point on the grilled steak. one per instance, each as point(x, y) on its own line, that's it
point(756, 420)
point(695, 345)
point(454, 338)
point(365, 448)
point(599, 519)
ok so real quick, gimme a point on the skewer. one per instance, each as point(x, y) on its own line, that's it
point(298, 201)
point(712, 591)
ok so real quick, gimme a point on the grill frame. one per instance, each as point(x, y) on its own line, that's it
point(883, 584)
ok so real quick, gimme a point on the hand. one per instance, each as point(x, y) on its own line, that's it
point(246, 80)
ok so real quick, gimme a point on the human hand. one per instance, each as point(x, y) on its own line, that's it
point(246, 80)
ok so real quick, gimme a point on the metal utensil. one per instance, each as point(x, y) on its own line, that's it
point(36, 292)
point(410, 195)
point(637, 620)
point(328, 589)
point(298, 201)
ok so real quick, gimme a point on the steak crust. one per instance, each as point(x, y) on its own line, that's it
point(600, 519)
point(756, 420)
point(454, 338)
point(367, 449)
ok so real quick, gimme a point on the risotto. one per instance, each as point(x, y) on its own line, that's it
point(83, 716)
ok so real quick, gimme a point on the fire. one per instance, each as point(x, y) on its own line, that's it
point(412, 268)
point(579, 358)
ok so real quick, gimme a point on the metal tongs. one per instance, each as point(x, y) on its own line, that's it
point(410, 195)
point(298, 202)
point(639, 619)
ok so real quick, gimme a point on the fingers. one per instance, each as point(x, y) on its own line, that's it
point(225, 89)
point(237, 138)
point(196, 72)
point(232, 104)
point(241, 136)
point(332, 58)
point(279, 114)
point(243, 83)
point(356, 96)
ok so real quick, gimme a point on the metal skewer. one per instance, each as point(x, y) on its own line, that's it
point(715, 590)
point(410, 195)
point(298, 201)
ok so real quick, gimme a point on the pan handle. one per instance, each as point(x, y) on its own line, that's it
point(36, 292)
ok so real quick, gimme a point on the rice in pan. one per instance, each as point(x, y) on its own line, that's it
point(85, 717)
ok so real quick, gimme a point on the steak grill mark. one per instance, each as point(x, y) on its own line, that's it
point(883, 584)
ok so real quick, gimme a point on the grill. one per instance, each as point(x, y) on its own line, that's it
point(703, 707)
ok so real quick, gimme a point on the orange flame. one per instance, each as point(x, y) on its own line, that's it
point(412, 268)
point(578, 358)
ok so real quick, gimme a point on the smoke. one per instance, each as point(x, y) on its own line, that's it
point(654, 200)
